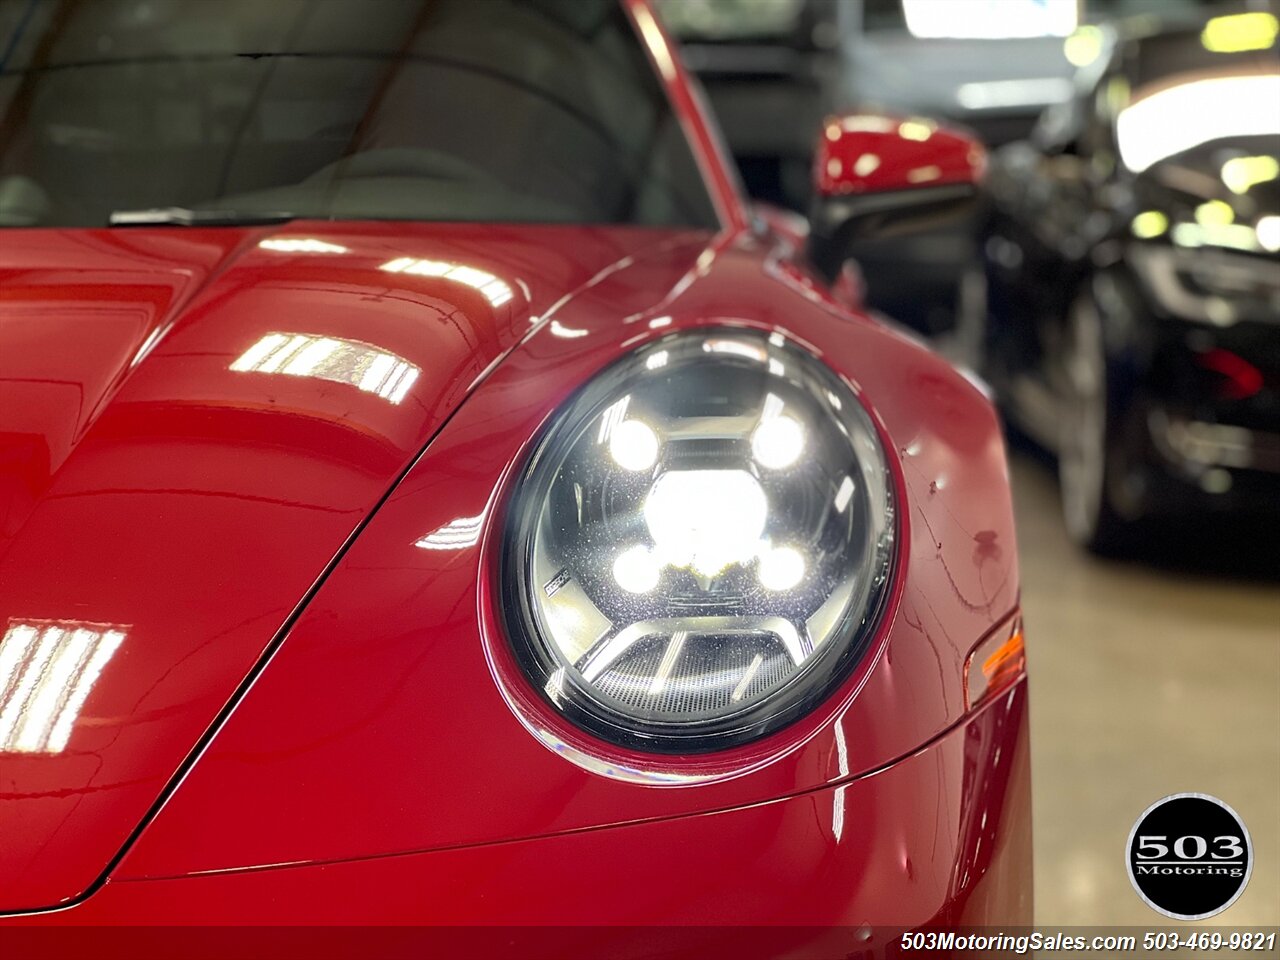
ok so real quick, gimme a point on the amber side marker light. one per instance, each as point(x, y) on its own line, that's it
point(994, 665)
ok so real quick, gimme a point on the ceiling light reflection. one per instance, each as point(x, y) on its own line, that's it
point(844, 494)
point(494, 290)
point(657, 360)
point(918, 130)
point(924, 174)
point(454, 535)
point(613, 415)
point(560, 330)
point(47, 669)
point(331, 358)
point(301, 245)
point(735, 348)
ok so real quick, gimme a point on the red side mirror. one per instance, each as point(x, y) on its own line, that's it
point(877, 175)
point(872, 153)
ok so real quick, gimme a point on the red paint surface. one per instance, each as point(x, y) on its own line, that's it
point(940, 838)
point(385, 678)
point(154, 489)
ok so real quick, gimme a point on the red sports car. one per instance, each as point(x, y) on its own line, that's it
point(431, 494)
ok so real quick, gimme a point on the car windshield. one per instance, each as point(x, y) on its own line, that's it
point(458, 110)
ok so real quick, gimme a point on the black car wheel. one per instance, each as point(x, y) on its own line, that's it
point(1086, 462)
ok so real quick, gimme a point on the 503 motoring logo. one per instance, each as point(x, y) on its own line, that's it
point(1189, 856)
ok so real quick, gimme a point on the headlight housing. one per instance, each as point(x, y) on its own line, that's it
point(698, 549)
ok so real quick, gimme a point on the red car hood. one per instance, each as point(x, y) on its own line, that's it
point(192, 425)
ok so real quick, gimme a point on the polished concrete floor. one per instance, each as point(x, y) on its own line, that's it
point(1147, 680)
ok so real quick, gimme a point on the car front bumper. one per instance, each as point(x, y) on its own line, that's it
point(941, 837)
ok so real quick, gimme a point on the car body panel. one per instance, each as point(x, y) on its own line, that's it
point(344, 706)
point(477, 762)
point(899, 846)
point(169, 495)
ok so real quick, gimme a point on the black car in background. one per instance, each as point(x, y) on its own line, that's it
point(1131, 254)
point(773, 68)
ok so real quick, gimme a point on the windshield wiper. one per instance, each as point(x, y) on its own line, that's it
point(182, 217)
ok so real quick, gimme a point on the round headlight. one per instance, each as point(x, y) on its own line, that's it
point(698, 548)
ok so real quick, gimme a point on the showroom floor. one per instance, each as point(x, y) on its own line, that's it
point(1145, 682)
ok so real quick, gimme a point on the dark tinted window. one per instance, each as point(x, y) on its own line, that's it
point(490, 110)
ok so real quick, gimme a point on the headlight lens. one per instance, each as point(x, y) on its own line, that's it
point(698, 548)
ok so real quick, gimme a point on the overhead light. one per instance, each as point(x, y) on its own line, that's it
point(984, 20)
point(1009, 94)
